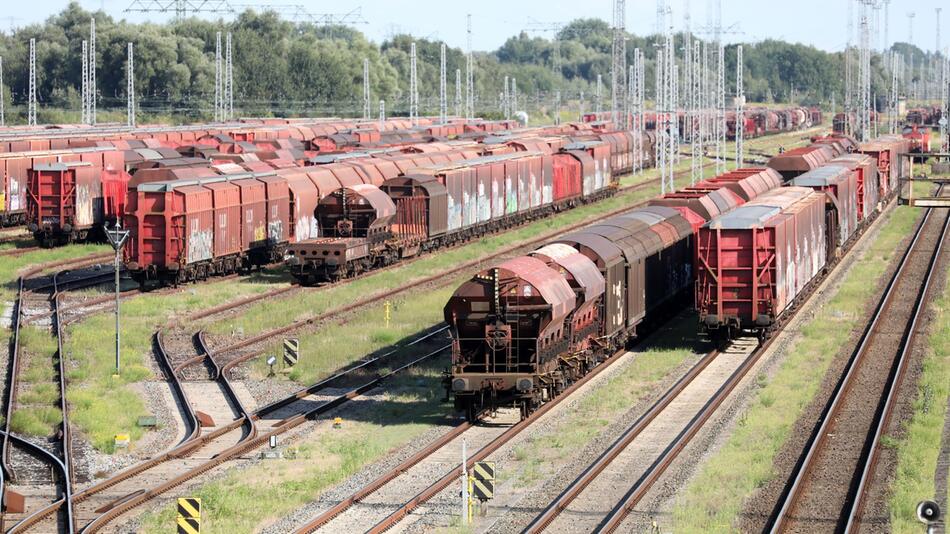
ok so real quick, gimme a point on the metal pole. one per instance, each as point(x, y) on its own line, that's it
point(464, 486)
point(3, 121)
point(118, 259)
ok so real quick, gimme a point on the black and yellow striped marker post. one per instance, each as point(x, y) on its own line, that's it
point(189, 515)
point(291, 351)
point(483, 480)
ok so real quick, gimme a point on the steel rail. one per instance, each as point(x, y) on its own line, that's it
point(381, 481)
point(867, 469)
point(221, 377)
point(435, 488)
point(13, 373)
point(17, 251)
point(507, 250)
point(67, 453)
point(842, 388)
point(241, 448)
point(646, 481)
point(195, 440)
point(594, 469)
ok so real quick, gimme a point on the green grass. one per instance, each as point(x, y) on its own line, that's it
point(277, 312)
point(46, 393)
point(37, 390)
point(918, 450)
point(18, 243)
point(102, 406)
point(247, 500)
point(36, 421)
point(714, 498)
point(11, 265)
point(335, 345)
point(603, 405)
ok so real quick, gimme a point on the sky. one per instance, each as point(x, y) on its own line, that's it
point(822, 23)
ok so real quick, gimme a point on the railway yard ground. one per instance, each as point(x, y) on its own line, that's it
point(672, 435)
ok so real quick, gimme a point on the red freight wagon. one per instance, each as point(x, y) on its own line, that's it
point(748, 183)
point(754, 261)
point(277, 208)
point(304, 197)
point(483, 190)
point(865, 168)
point(800, 160)
point(700, 205)
point(886, 150)
point(841, 202)
point(174, 229)
point(567, 180)
point(226, 202)
point(64, 197)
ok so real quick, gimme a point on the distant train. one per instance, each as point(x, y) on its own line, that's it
point(343, 214)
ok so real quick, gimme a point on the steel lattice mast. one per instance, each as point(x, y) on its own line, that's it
point(696, 120)
point(458, 93)
point(618, 68)
point(721, 112)
point(668, 132)
point(740, 110)
point(218, 84)
point(130, 89)
point(84, 114)
point(443, 97)
point(893, 99)
point(93, 93)
point(848, 76)
point(505, 107)
point(31, 109)
point(413, 88)
point(864, 113)
point(229, 81)
point(641, 94)
point(470, 76)
point(514, 95)
point(366, 96)
point(944, 102)
point(3, 118)
point(636, 88)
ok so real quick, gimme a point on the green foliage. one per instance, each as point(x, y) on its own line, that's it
point(283, 67)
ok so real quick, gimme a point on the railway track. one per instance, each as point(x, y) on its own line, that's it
point(443, 276)
point(361, 511)
point(831, 481)
point(645, 449)
point(202, 451)
point(265, 336)
point(17, 251)
point(57, 451)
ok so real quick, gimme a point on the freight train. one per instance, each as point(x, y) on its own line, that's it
point(349, 213)
point(525, 329)
point(51, 213)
